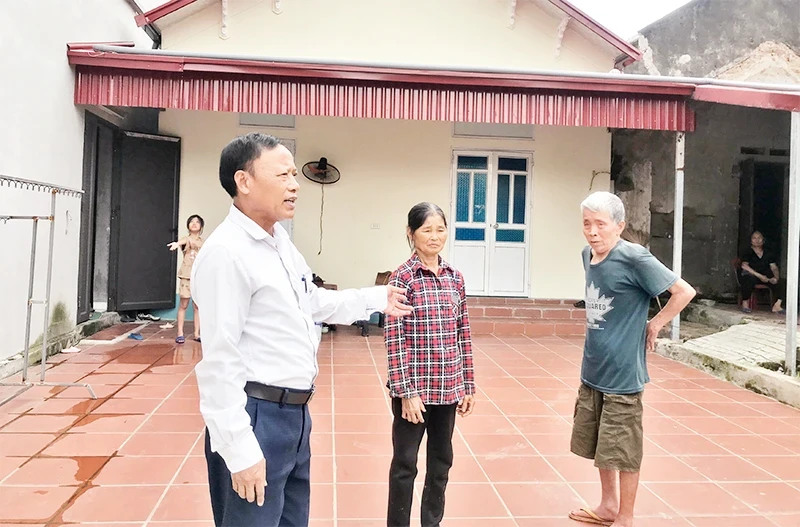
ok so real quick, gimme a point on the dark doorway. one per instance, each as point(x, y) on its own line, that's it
point(128, 215)
point(763, 188)
point(144, 220)
point(93, 264)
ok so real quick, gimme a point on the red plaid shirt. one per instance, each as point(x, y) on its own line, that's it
point(430, 351)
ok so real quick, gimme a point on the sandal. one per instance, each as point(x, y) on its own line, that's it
point(587, 515)
point(197, 339)
point(180, 340)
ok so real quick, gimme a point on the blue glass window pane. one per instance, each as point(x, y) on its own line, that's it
point(462, 196)
point(479, 199)
point(470, 235)
point(520, 188)
point(508, 163)
point(503, 194)
point(509, 235)
point(473, 162)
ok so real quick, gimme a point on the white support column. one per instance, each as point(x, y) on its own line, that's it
point(793, 247)
point(677, 229)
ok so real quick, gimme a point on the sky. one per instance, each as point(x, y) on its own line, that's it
point(626, 17)
point(623, 17)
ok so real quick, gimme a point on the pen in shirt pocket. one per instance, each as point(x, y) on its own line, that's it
point(305, 284)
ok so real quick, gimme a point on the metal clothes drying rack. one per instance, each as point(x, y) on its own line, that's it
point(54, 190)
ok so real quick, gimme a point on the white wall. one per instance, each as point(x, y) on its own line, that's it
point(441, 32)
point(41, 138)
point(387, 167)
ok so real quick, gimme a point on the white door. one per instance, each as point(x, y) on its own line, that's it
point(489, 234)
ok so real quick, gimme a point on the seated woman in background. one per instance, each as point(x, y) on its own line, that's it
point(759, 267)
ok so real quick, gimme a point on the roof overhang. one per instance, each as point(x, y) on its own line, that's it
point(765, 99)
point(121, 76)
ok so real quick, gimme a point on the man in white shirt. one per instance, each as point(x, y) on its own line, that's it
point(260, 341)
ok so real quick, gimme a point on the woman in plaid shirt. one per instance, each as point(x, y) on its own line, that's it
point(430, 368)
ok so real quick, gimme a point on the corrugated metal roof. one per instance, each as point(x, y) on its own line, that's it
point(186, 91)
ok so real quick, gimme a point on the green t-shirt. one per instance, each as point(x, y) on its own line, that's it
point(618, 293)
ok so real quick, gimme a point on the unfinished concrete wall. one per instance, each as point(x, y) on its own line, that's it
point(755, 40)
point(707, 35)
point(711, 213)
point(639, 157)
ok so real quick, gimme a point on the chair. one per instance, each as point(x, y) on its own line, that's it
point(758, 289)
point(380, 279)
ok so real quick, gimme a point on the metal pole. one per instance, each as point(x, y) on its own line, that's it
point(53, 189)
point(677, 229)
point(793, 247)
point(49, 280)
point(26, 352)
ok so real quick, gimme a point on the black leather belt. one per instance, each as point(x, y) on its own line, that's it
point(276, 394)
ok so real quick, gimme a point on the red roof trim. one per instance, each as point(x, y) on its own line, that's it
point(600, 30)
point(89, 46)
point(768, 100)
point(314, 97)
point(163, 80)
point(161, 11)
point(564, 5)
point(465, 79)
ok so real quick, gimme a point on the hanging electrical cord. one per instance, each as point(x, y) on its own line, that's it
point(321, 211)
point(324, 174)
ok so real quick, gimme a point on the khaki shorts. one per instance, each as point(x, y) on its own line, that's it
point(184, 290)
point(608, 428)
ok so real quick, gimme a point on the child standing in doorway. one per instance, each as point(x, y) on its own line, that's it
point(190, 245)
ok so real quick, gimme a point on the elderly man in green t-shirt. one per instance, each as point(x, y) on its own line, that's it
point(621, 279)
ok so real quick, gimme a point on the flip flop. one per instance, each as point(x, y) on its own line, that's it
point(197, 339)
point(588, 516)
point(180, 340)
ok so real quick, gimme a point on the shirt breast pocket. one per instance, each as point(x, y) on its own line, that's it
point(455, 301)
point(304, 293)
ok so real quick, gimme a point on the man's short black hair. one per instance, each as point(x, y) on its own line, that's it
point(239, 154)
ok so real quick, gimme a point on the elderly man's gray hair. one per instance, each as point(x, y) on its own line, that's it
point(605, 202)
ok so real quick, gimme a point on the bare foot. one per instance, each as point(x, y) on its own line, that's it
point(622, 522)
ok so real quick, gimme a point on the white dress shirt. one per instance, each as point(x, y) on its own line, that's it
point(259, 307)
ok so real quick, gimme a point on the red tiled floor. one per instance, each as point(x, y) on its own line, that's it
point(23, 504)
point(52, 424)
point(56, 471)
point(70, 445)
point(698, 499)
point(726, 468)
point(159, 444)
point(184, 502)
point(715, 455)
point(23, 444)
point(101, 423)
point(114, 504)
point(140, 471)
